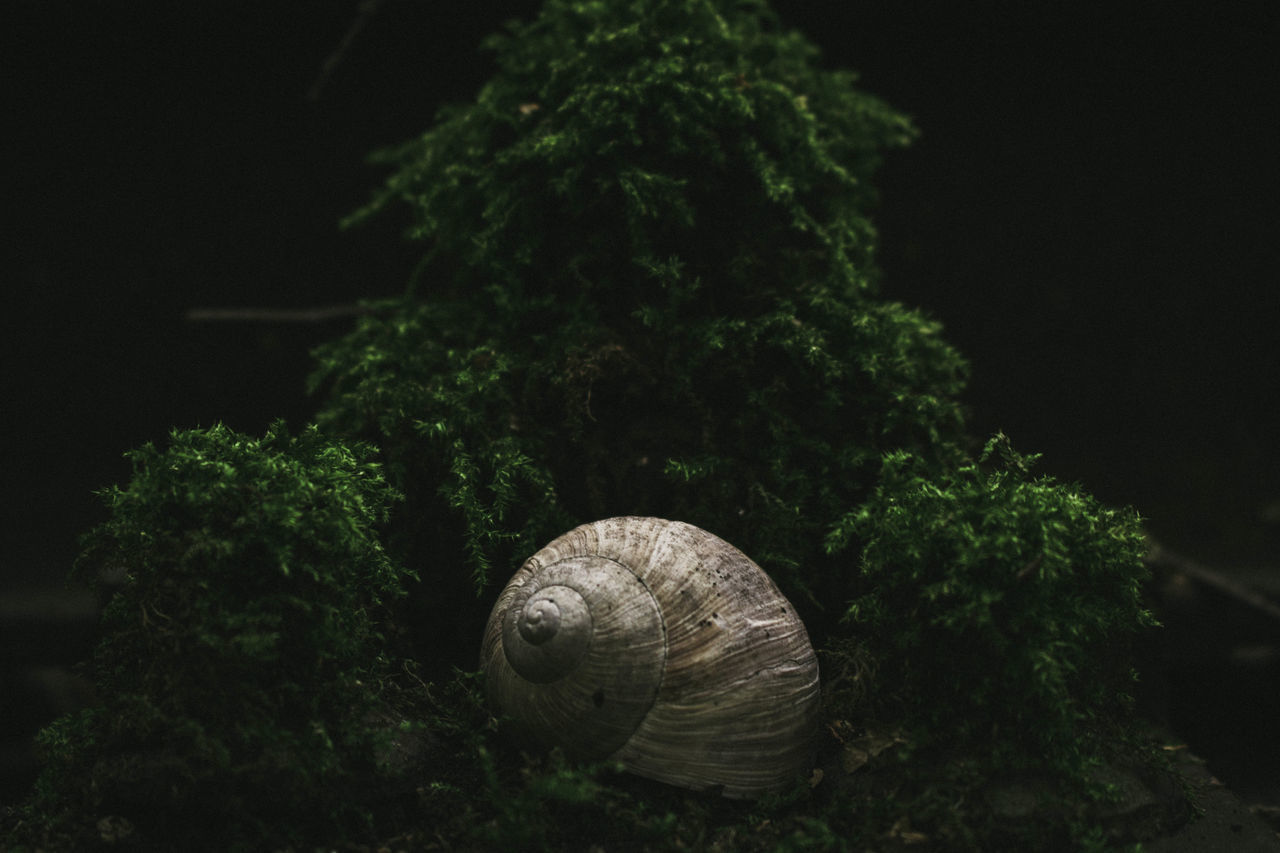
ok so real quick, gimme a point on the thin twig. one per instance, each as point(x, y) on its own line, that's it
point(366, 10)
point(1030, 567)
point(317, 314)
point(1160, 557)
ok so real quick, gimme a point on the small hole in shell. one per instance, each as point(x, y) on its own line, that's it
point(598, 697)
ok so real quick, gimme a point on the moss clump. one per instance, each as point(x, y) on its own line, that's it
point(647, 288)
point(1002, 605)
point(240, 674)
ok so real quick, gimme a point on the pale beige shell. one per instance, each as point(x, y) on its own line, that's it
point(659, 645)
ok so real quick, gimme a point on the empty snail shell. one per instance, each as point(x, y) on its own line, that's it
point(658, 645)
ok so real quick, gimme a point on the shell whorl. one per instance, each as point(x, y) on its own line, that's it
point(546, 632)
point(659, 645)
point(565, 617)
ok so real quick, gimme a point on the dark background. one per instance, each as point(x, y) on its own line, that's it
point(1091, 211)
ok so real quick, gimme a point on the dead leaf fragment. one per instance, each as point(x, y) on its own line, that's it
point(902, 831)
point(859, 751)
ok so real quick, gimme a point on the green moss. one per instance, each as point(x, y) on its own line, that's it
point(1002, 604)
point(652, 294)
point(241, 672)
point(619, 140)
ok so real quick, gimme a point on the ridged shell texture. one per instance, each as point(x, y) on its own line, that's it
point(659, 645)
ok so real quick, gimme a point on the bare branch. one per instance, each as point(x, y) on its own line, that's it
point(366, 10)
point(1159, 557)
point(317, 314)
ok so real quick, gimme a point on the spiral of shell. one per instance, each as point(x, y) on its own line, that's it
point(658, 645)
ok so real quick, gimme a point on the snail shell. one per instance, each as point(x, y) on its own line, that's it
point(658, 645)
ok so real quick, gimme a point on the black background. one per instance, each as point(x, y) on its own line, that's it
point(1091, 211)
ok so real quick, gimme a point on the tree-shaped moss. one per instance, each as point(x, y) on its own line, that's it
point(647, 288)
point(239, 668)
